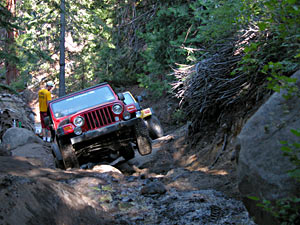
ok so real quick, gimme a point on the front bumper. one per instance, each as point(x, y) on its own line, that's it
point(103, 130)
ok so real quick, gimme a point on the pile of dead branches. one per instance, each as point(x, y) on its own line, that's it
point(208, 89)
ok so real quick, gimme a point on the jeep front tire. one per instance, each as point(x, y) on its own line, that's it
point(68, 154)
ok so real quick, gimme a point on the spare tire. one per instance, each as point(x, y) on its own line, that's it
point(154, 127)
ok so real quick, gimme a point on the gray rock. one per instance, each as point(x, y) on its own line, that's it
point(36, 154)
point(207, 207)
point(28, 200)
point(15, 137)
point(176, 173)
point(262, 168)
point(131, 178)
point(153, 188)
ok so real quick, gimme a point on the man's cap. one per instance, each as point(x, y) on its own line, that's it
point(50, 83)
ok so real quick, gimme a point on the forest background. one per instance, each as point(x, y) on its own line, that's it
point(159, 45)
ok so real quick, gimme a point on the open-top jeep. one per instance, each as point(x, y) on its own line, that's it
point(147, 114)
point(95, 124)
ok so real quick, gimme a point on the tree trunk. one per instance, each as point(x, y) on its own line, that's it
point(11, 69)
point(62, 87)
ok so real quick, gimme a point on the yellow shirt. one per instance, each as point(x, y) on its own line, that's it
point(44, 97)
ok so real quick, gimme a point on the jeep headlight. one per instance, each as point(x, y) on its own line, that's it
point(117, 109)
point(78, 121)
point(126, 115)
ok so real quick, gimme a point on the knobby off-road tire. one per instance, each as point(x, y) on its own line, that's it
point(144, 143)
point(154, 126)
point(57, 158)
point(69, 158)
point(59, 164)
point(127, 152)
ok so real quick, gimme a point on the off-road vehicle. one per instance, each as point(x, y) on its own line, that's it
point(147, 114)
point(94, 124)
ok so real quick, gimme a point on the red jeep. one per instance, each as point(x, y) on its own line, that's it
point(94, 124)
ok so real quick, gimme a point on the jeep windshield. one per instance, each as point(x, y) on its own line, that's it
point(81, 101)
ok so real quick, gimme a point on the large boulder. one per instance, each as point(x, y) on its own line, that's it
point(262, 167)
point(14, 108)
point(32, 195)
point(15, 137)
point(37, 154)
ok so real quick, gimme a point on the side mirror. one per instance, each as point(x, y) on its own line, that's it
point(139, 100)
point(121, 96)
point(47, 121)
point(138, 107)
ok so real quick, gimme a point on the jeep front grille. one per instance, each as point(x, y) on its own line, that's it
point(99, 118)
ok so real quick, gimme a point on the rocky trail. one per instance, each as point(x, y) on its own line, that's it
point(154, 189)
point(34, 192)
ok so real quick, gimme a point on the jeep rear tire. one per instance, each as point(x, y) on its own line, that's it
point(154, 126)
point(68, 154)
point(142, 137)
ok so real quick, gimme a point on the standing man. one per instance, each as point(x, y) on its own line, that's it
point(44, 98)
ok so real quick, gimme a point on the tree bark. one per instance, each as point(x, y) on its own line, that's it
point(62, 87)
point(11, 69)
